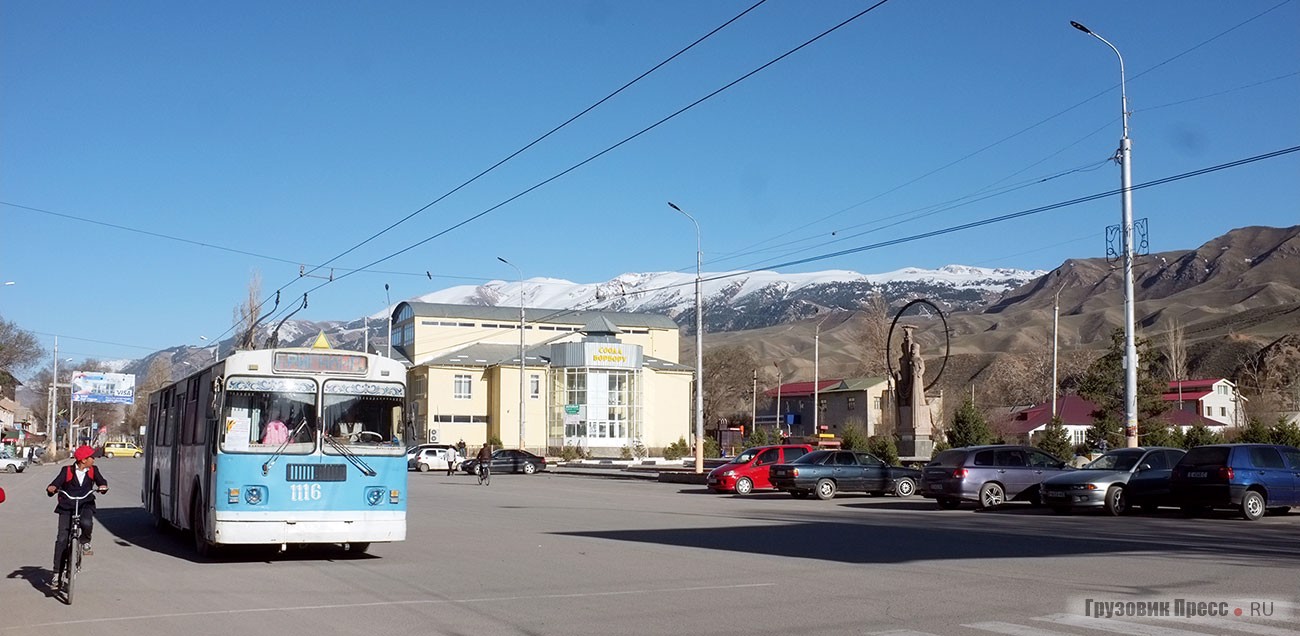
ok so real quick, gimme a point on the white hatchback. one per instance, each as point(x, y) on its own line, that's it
point(435, 458)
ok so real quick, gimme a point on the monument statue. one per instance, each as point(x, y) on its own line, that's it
point(910, 378)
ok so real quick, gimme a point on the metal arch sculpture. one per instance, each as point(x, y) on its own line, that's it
point(947, 340)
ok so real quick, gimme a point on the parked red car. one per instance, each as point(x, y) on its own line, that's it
point(749, 469)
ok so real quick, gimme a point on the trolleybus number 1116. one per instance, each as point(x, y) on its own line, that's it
point(304, 492)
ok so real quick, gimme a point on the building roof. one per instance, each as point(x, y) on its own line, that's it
point(1073, 410)
point(1204, 384)
point(623, 320)
point(803, 389)
point(1185, 396)
point(857, 384)
point(1179, 417)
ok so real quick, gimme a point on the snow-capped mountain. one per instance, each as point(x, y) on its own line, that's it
point(732, 300)
point(744, 300)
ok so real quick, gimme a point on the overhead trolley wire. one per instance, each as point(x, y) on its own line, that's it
point(499, 163)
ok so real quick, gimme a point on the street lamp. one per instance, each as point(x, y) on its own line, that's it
point(216, 347)
point(390, 320)
point(1125, 157)
point(1056, 315)
point(699, 347)
point(780, 419)
point(817, 336)
point(521, 348)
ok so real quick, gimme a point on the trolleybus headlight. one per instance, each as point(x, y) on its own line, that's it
point(254, 495)
point(374, 495)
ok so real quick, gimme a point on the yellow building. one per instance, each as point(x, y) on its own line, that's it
point(595, 380)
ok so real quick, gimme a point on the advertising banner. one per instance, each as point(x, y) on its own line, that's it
point(104, 388)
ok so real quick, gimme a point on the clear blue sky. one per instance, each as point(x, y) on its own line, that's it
point(283, 133)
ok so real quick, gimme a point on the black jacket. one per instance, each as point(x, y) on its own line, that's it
point(71, 486)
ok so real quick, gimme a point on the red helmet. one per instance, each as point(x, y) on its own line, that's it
point(83, 452)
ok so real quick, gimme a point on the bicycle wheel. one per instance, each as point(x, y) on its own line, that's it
point(480, 474)
point(70, 571)
point(487, 476)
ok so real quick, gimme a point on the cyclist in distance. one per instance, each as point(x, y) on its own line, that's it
point(77, 479)
point(484, 458)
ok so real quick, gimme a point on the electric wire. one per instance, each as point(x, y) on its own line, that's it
point(597, 155)
point(1022, 131)
point(518, 152)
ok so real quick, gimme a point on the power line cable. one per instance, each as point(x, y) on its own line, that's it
point(601, 153)
point(509, 157)
point(1023, 130)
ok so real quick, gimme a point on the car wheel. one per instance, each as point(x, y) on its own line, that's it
point(11, 468)
point(905, 488)
point(1061, 510)
point(529, 468)
point(1252, 505)
point(992, 496)
point(825, 489)
point(358, 548)
point(744, 486)
point(137, 455)
point(1116, 503)
point(422, 467)
point(799, 494)
point(949, 504)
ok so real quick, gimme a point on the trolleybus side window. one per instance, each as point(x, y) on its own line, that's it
point(191, 412)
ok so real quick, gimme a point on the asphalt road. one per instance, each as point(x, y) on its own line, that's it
point(563, 554)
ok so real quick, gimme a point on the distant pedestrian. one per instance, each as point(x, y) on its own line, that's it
point(460, 447)
point(451, 461)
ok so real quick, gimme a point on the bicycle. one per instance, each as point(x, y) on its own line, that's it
point(70, 560)
point(484, 473)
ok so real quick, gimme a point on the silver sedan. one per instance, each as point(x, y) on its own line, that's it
point(1115, 482)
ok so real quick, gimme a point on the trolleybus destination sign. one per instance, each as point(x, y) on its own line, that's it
point(320, 363)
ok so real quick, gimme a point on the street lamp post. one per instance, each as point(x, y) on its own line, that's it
point(817, 337)
point(216, 348)
point(699, 346)
point(389, 299)
point(1056, 314)
point(1124, 156)
point(780, 419)
point(699, 352)
point(521, 348)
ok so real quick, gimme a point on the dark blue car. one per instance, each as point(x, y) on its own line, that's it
point(1250, 478)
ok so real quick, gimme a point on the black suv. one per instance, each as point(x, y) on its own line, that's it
point(987, 475)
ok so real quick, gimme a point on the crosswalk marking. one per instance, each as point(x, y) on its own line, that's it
point(1119, 627)
point(1241, 625)
point(1011, 629)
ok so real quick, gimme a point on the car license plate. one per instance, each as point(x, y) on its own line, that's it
point(1055, 493)
point(1197, 473)
point(936, 486)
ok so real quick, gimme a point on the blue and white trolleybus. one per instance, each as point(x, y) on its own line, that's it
point(281, 447)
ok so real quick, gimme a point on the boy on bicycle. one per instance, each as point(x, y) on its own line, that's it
point(77, 479)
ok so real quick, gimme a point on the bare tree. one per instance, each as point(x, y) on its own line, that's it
point(871, 333)
point(19, 349)
point(158, 376)
point(246, 313)
point(1176, 351)
point(728, 381)
point(1270, 378)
